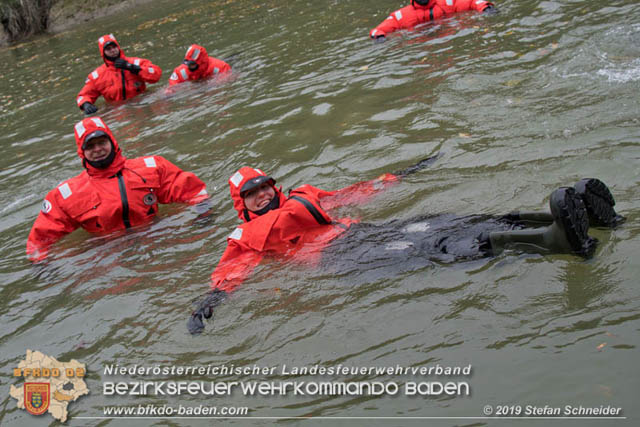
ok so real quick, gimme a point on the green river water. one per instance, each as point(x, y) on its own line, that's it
point(537, 97)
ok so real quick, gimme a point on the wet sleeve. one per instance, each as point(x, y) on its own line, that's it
point(177, 185)
point(149, 72)
point(389, 25)
point(50, 226)
point(88, 93)
point(359, 193)
point(478, 5)
point(179, 75)
point(236, 264)
point(219, 66)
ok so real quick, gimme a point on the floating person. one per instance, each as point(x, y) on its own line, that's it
point(119, 78)
point(420, 11)
point(197, 65)
point(300, 227)
point(113, 192)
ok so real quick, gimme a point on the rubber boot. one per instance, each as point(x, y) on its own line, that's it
point(567, 233)
point(599, 203)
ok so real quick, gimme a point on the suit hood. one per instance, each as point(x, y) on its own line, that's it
point(242, 177)
point(198, 54)
point(102, 41)
point(85, 128)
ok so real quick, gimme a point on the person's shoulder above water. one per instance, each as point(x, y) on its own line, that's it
point(112, 193)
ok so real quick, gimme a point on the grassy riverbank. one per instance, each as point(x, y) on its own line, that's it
point(65, 14)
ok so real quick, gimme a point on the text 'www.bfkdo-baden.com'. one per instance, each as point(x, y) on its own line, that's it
point(151, 410)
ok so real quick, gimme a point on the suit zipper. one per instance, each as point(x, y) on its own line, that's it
point(124, 86)
point(125, 201)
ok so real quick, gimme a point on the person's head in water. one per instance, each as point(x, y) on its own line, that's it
point(111, 51)
point(196, 59)
point(109, 48)
point(259, 195)
point(254, 193)
point(98, 149)
point(421, 2)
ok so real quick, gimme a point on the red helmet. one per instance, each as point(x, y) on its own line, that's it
point(244, 180)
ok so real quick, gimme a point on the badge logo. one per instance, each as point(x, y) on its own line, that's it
point(58, 384)
point(46, 206)
point(36, 397)
point(150, 199)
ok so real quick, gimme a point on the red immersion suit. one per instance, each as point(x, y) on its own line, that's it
point(207, 66)
point(301, 227)
point(116, 84)
point(414, 14)
point(124, 194)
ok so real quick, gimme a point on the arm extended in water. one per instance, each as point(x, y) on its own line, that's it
point(362, 192)
point(418, 166)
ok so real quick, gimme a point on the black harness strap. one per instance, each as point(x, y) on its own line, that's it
point(312, 210)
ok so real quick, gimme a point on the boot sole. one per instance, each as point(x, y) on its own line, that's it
point(570, 213)
point(599, 203)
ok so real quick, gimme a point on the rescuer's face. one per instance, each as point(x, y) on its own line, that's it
point(259, 197)
point(97, 149)
point(111, 50)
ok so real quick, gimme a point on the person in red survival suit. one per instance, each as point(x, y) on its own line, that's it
point(420, 11)
point(113, 192)
point(119, 78)
point(301, 227)
point(197, 65)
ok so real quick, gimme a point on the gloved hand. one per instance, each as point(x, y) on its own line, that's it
point(379, 39)
point(418, 166)
point(490, 10)
point(88, 108)
point(124, 65)
point(204, 309)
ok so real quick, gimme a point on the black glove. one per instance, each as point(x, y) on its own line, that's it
point(124, 65)
point(88, 108)
point(490, 10)
point(204, 309)
point(379, 39)
point(418, 166)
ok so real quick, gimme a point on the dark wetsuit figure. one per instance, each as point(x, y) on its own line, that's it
point(400, 246)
